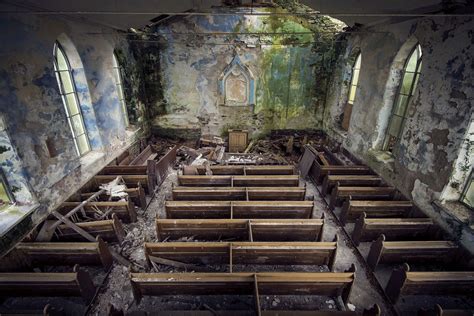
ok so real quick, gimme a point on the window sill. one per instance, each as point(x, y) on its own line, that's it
point(12, 214)
point(456, 210)
point(91, 158)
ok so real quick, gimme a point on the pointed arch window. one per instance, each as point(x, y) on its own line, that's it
point(6, 195)
point(354, 79)
point(67, 89)
point(411, 74)
point(119, 85)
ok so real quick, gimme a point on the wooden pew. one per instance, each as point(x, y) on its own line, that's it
point(340, 193)
point(130, 180)
point(137, 195)
point(142, 158)
point(374, 311)
point(148, 170)
point(48, 310)
point(125, 210)
point(66, 253)
point(248, 170)
point(404, 282)
point(239, 209)
point(242, 283)
point(352, 209)
point(240, 181)
point(231, 253)
point(382, 251)
point(439, 311)
point(241, 229)
point(240, 193)
point(330, 181)
point(109, 230)
point(369, 229)
point(318, 171)
point(77, 283)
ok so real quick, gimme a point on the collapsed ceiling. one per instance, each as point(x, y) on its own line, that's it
point(138, 13)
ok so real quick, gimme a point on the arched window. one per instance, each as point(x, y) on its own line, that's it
point(119, 84)
point(68, 93)
point(354, 79)
point(411, 73)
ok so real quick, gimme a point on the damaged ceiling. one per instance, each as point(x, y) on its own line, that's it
point(139, 13)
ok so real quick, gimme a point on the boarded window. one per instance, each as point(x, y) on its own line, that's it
point(68, 92)
point(408, 83)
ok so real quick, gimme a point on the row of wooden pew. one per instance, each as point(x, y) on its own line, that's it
point(59, 243)
point(399, 232)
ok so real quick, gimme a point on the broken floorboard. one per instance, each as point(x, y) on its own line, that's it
point(332, 284)
point(125, 210)
point(137, 195)
point(239, 209)
point(240, 181)
point(248, 170)
point(241, 229)
point(240, 193)
point(235, 253)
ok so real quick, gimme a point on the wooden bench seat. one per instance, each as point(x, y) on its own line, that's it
point(142, 158)
point(109, 230)
point(125, 210)
point(349, 180)
point(240, 181)
point(77, 283)
point(353, 209)
point(439, 311)
point(240, 193)
point(232, 253)
point(318, 171)
point(369, 229)
point(404, 282)
point(48, 310)
point(148, 170)
point(137, 195)
point(340, 193)
point(382, 251)
point(66, 253)
point(241, 229)
point(239, 209)
point(332, 284)
point(131, 181)
point(248, 170)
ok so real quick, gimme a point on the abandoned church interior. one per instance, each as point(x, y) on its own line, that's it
point(237, 157)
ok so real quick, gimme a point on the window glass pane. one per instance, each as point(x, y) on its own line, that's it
point(61, 60)
point(76, 122)
point(401, 105)
point(395, 125)
point(407, 82)
point(468, 197)
point(352, 94)
point(66, 81)
point(358, 61)
point(82, 144)
point(71, 103)
point(411, 65)
point(355, 77)
point(417, 76)
point(3, 193)
point(124, 109)
point(120, 91)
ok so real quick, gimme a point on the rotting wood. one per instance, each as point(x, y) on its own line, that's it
point(172, 263)
point(352, 209)
point(238, 193)
point(239, 181)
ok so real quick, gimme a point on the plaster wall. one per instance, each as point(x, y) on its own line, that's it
point(34, 118)
point(290, 80)
point(435, 137)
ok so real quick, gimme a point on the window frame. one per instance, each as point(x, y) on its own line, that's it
point(117, 68)
point(58, 48)
point(6, 187)
point(352, 85)
point(409, 95)
point(467, 186)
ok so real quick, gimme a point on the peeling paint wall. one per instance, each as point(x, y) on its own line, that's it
point(290, 80)
point(439, 112)
point(34, 116)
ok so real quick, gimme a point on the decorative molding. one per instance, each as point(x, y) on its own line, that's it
point(236, 84)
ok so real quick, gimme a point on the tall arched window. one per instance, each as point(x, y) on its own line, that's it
point(352, 92)
point(354, 79)
point(68, 93)
point(411, 73)
point(119, 84)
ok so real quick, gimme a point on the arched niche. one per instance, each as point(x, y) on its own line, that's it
point(236, 84)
